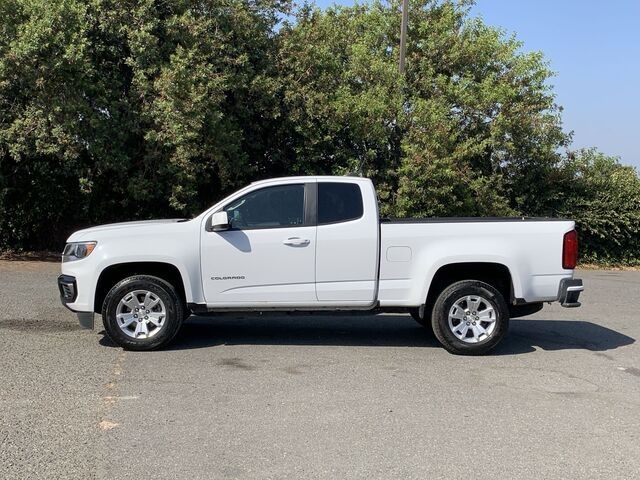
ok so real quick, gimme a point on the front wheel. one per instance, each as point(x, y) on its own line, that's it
point(470, 317)
point(142, 312)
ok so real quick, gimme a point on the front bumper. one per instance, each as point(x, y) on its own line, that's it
point(68, 293)
point(569, 292)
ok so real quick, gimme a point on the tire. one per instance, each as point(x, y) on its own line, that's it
point(463, 303)
point(424, 321)
point(161, 315)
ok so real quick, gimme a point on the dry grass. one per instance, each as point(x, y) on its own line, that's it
point(30, 256)
point(609, 266)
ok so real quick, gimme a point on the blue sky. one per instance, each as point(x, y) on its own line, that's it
point(594, 48)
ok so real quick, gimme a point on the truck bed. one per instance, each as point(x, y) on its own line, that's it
point(412, 251)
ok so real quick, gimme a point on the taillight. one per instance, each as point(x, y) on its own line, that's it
point(570, 250)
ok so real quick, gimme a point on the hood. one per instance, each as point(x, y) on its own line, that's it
point(88, 234)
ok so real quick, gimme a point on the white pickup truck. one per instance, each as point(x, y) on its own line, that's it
point(317, 244)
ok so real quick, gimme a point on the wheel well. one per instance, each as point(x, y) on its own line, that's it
point(114, 273)
point(494, 274)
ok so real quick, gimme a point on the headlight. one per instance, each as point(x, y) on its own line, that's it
point(77, 251)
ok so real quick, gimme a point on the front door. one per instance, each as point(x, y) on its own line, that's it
point(267, 257)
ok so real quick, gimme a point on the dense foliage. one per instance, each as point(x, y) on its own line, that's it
point(604, 199)
point(121, 109)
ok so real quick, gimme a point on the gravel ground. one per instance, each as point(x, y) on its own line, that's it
point(319, 397)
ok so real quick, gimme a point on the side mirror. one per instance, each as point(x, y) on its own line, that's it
point(220, 222)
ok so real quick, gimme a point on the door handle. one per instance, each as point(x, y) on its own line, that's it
point(296, 242)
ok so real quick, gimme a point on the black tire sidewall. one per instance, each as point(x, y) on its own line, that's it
point(440, 317)
point(158, 286)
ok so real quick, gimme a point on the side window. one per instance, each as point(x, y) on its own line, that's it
point(338, 202)
point(270, 207)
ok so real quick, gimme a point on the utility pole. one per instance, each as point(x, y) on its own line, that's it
point(403, 33)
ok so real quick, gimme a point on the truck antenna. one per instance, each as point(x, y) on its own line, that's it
point(359, 170)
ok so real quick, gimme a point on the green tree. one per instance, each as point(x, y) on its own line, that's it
point(603, 197)
point(119, 109)
point(466, 132)
point(341, 95)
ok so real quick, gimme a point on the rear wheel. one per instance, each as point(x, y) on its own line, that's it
point(142, 312)
point(470, 317)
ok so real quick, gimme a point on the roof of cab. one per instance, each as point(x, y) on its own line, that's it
point(309, 177)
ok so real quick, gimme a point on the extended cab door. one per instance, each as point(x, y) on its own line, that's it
point(347, 242)
point(267, 257)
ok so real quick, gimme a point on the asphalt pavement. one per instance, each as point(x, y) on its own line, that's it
point(319, 397)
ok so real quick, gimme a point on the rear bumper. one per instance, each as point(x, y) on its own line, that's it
point(68, 294)
point(569, 292)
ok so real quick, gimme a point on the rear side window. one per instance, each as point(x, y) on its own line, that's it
point(338, 202)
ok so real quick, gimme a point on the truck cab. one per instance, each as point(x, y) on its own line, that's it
point(317, 241)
